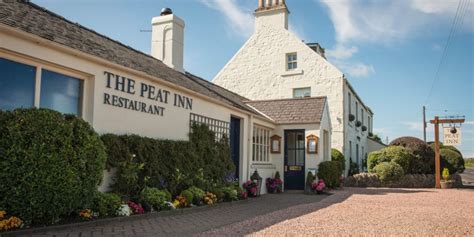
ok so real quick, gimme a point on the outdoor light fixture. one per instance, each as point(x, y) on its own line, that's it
point(258, 180)
point(453, 130)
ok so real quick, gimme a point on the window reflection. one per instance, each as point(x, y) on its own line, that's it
point(17, 85)
point(61, 93)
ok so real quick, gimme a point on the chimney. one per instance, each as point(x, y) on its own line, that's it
point(271, 13)
point(167, 39)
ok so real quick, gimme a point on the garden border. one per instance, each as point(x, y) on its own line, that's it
point(97, 222)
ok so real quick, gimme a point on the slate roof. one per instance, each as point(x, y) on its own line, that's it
point(36, 20)
point(292, 111)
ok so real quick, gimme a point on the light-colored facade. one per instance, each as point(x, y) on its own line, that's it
point(275, 64)
point(137, 94)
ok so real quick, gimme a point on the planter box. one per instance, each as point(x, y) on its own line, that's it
point(447, 184)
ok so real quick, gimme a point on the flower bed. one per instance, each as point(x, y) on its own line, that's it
point(406, 181)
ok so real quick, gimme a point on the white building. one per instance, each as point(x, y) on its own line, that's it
point(275, 64)
point(47, 61)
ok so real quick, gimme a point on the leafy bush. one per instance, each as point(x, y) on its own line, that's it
point(389, 171)
point(155, 197)
point(422, 161)
point(451, 160)
point(230, 194)
point(395, 154)
point(106, 203)
point(173, 165)
point(188, 195)
point(198, 194)
point(50, 164)
point(338, 156)
point(363, 180)
point(309, 182)
point(219, 192)
point(330, 172)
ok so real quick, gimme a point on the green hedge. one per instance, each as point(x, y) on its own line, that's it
point(330, 172)
point(452, 160)
point(395, 154)
point(173, 165)
point(50, 164)
point(389, 171)
point(422, 160)
point(338, 156)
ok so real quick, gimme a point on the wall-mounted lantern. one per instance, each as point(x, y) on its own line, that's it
point(312, 144)
point(275, 144)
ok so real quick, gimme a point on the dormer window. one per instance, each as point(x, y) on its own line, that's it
point(291, 61)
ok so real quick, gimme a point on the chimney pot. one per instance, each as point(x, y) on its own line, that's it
point(166, 11)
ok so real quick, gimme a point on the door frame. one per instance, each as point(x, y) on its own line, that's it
point(285, 156)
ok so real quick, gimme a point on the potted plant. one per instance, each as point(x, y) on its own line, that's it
point(446, 183)
point(371, 134)
point(275, 184)
point(364, 128)
point(358, 123)
point(319, 186)
point(351, 117)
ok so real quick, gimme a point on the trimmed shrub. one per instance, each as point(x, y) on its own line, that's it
point(230, 194)
point(330, 172)
point(422, 161)
point(155, 197)
point(389, 171)
point(198, 194)
point(363, 180)
point(396, 154)
point(173, 165)
point(188, 195)
point(309, 182)
point(452, 160)
point(50, 164)
point(407, 181)
point(106, 203)
point(338, 156)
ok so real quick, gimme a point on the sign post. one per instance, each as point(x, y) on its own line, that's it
point(452, 140)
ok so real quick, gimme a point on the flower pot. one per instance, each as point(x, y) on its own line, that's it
point(447, 184)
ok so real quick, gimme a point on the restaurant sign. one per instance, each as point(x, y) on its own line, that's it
point(452, 136)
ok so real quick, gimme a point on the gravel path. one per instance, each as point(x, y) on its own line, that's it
point(373, 212)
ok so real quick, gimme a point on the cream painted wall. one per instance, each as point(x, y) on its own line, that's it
point(174, 124)
point(258, 71)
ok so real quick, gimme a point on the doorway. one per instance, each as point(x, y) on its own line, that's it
point(294, 159)
point(234, 141)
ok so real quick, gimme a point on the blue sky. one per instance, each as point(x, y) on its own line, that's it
point(389, 50)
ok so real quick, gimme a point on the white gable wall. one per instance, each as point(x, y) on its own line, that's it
point(258, 71)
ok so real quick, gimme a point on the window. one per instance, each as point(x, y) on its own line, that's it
point(349, 100)
point(291, 61)
point(302, 92)
point(17, 85)
point(357, 111)
point(357, 155)
point(362, 115)
point(61, 93)
point(261, 144)
point(369, 124)
point(219, 127)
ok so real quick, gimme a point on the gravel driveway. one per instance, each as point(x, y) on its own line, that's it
point(375, 212)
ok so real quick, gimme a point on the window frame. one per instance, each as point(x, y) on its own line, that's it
point(293, 61)
point(39, 66)
point(261, 144)
point(302, 88)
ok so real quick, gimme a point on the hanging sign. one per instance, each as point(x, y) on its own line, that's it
point(451, 136)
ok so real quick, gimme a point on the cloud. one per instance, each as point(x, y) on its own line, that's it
point(386, 21)
point(342, 52)
point(355, 69)
point(240, 21)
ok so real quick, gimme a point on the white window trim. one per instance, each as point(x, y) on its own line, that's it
point(287, 62)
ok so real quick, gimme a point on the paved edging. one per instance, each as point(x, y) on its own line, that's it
point(98, 222)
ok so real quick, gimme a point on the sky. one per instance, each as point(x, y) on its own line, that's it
point(396, 54)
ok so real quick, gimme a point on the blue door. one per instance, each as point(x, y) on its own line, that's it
point(294, 159)
point(235, 143)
